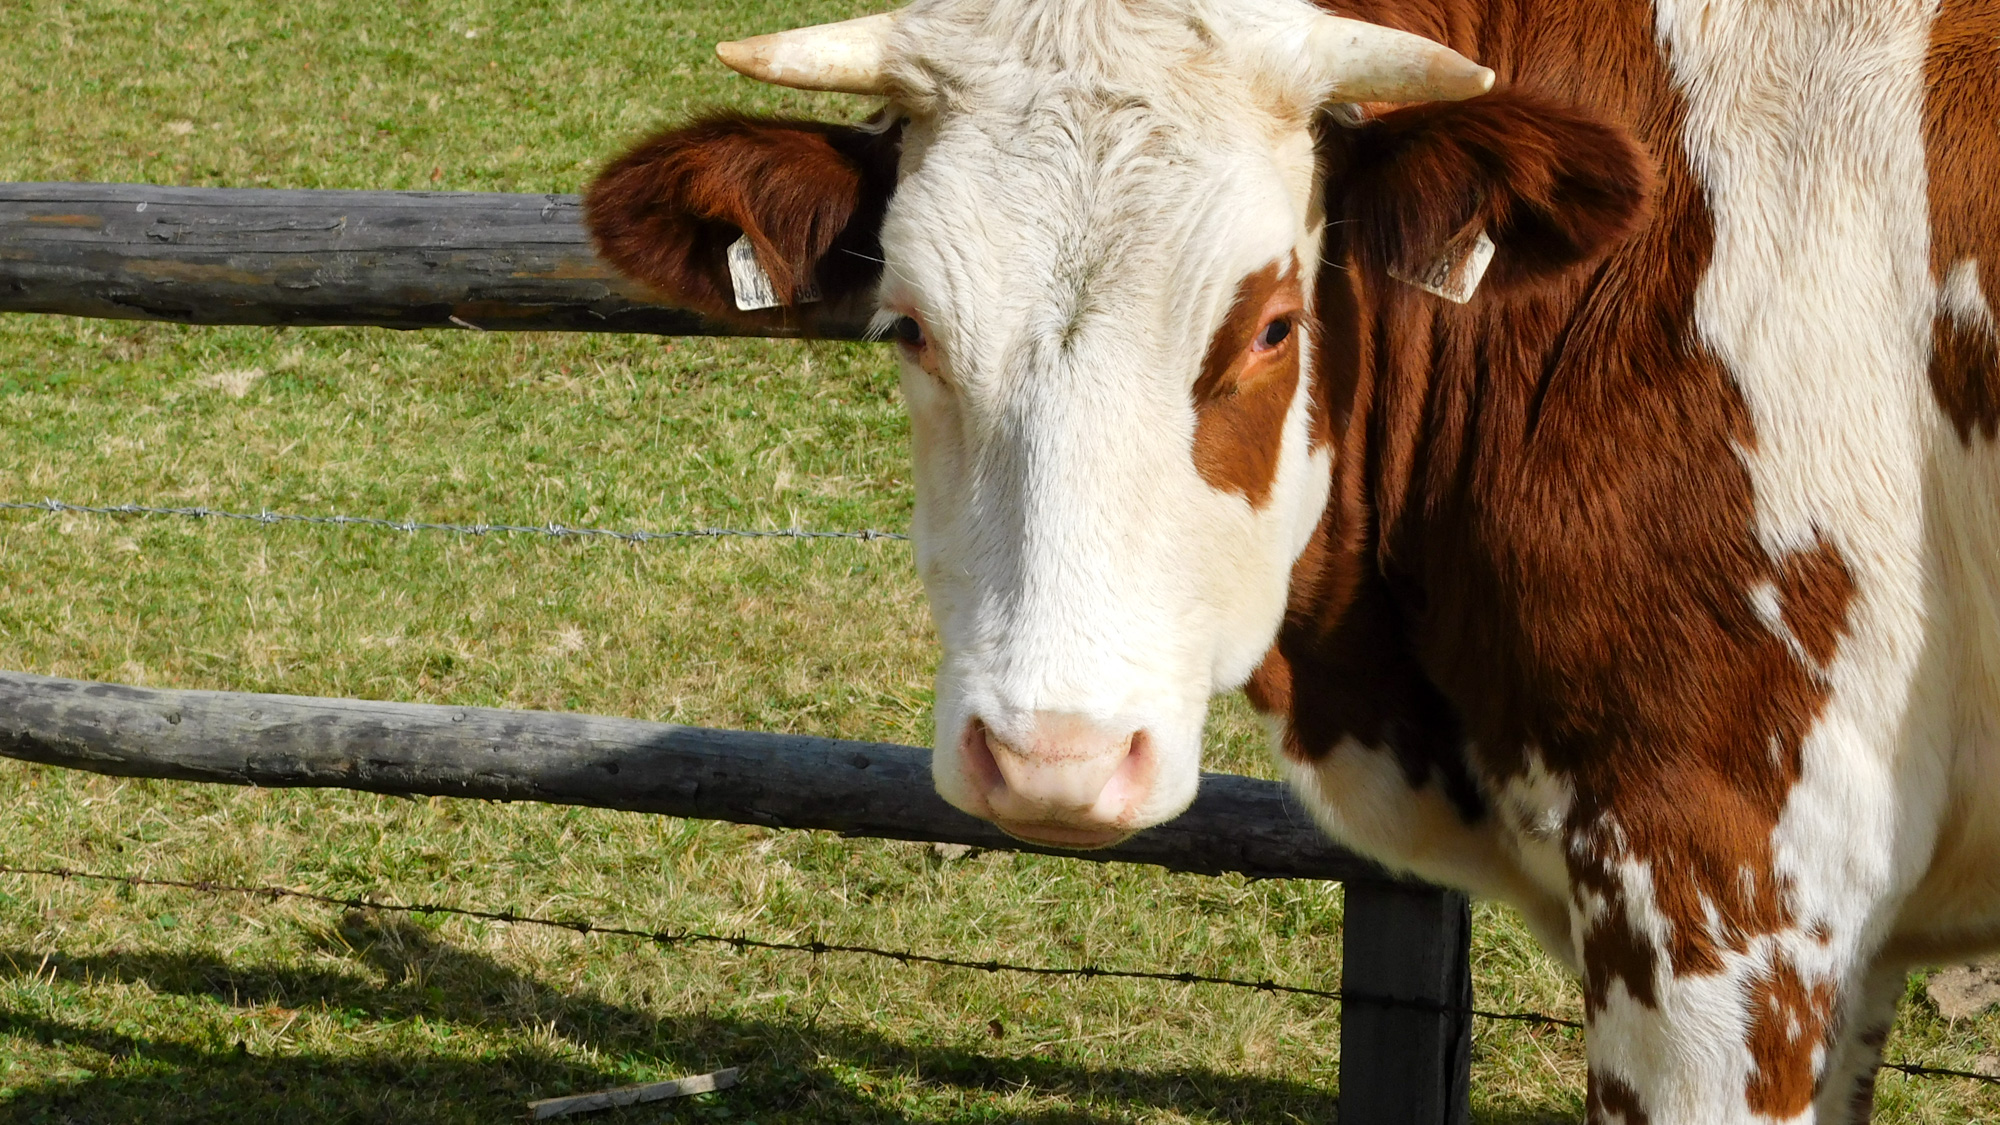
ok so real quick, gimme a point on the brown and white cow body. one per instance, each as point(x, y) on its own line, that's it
point(1655, 589)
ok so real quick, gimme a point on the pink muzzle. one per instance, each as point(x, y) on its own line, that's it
point(1061, 780)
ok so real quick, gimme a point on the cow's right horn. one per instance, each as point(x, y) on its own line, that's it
point(1367, 62)
point(845, 57)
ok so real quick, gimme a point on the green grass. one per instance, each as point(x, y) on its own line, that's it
point(166, 1006)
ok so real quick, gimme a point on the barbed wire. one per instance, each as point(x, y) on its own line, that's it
point(553, 530)
point(906, 957)
point(815, 947)
point(1916, 1070)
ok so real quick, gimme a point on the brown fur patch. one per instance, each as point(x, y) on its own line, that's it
point(1961, 149)
point(1814, 589)
point(1610, 1101)
point(1614, 951)
point(1789, 1021)
point(1242, 397)
point(809, 195)
point(1965, 375)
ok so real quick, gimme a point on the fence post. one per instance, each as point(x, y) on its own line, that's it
point(1402, 1065)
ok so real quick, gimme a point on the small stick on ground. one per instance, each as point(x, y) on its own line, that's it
point(633, 1095)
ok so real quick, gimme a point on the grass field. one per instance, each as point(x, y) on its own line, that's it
point(164, 1006)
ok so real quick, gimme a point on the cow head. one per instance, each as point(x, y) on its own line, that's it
point(1094, 229)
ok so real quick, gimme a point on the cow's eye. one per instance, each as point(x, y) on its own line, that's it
point(1273, 334)
point(908, 332)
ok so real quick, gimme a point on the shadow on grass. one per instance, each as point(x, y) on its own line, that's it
point(789, 1066)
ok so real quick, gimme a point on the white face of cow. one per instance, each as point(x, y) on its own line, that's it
point(1071, 247)
point(1099, 261)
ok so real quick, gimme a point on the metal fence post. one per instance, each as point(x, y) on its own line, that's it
point(1403, 1065)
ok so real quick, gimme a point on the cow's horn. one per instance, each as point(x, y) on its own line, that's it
point(845, 57)
point(1371, 63)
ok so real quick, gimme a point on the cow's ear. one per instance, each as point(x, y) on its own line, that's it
point(1553, 189)
point(809, 195)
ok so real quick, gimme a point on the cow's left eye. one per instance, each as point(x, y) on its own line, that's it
point(1273, 334)
point(908, 332)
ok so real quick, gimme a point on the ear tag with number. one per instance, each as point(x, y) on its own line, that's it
point(753, 286)
point(1455, 273)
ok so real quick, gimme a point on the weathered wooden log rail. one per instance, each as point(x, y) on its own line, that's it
point(500, 262)
point(394, 259)
point(1237, 824)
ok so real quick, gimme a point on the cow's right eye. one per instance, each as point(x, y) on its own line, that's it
point(908, 332)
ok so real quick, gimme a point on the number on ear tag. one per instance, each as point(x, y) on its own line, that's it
point(1455, 273)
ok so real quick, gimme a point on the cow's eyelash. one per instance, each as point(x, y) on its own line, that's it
point(1266, 341)
point(882, 325)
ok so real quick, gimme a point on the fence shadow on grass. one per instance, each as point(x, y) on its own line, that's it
point(786, 1071)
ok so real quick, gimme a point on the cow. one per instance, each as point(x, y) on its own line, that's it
point(1584, 455)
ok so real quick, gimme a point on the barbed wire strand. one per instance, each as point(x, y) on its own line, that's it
point(1918, 1071)
point(739, 941)
point(553, 530)
point(906, 957)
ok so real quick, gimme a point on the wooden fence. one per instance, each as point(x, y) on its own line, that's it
point(522, 262)
point(393, 259)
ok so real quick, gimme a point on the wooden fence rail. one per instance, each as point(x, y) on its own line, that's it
point(1237, 824)
point(394, 259)
point(504, 262)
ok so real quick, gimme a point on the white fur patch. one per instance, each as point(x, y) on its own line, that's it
point(1961, 298)
point(1535, 809)
point(1957, 906)
point(1804, 125)
point(1361, 796)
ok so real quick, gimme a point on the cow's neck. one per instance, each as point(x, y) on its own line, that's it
point(1460, 427)
point(1412, 419)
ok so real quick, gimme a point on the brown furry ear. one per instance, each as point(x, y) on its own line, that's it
point(1552, 188)
point(809, 195)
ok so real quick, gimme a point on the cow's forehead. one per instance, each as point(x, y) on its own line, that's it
point(1198, 63)
point(1067, 186)
point(1076, 246)
point(1111, 188)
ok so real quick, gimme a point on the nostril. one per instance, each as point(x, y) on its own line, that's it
point(1134, 777)
point(977, 758)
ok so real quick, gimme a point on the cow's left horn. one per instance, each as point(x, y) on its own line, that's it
point(845, 57)
point(1367, 62)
